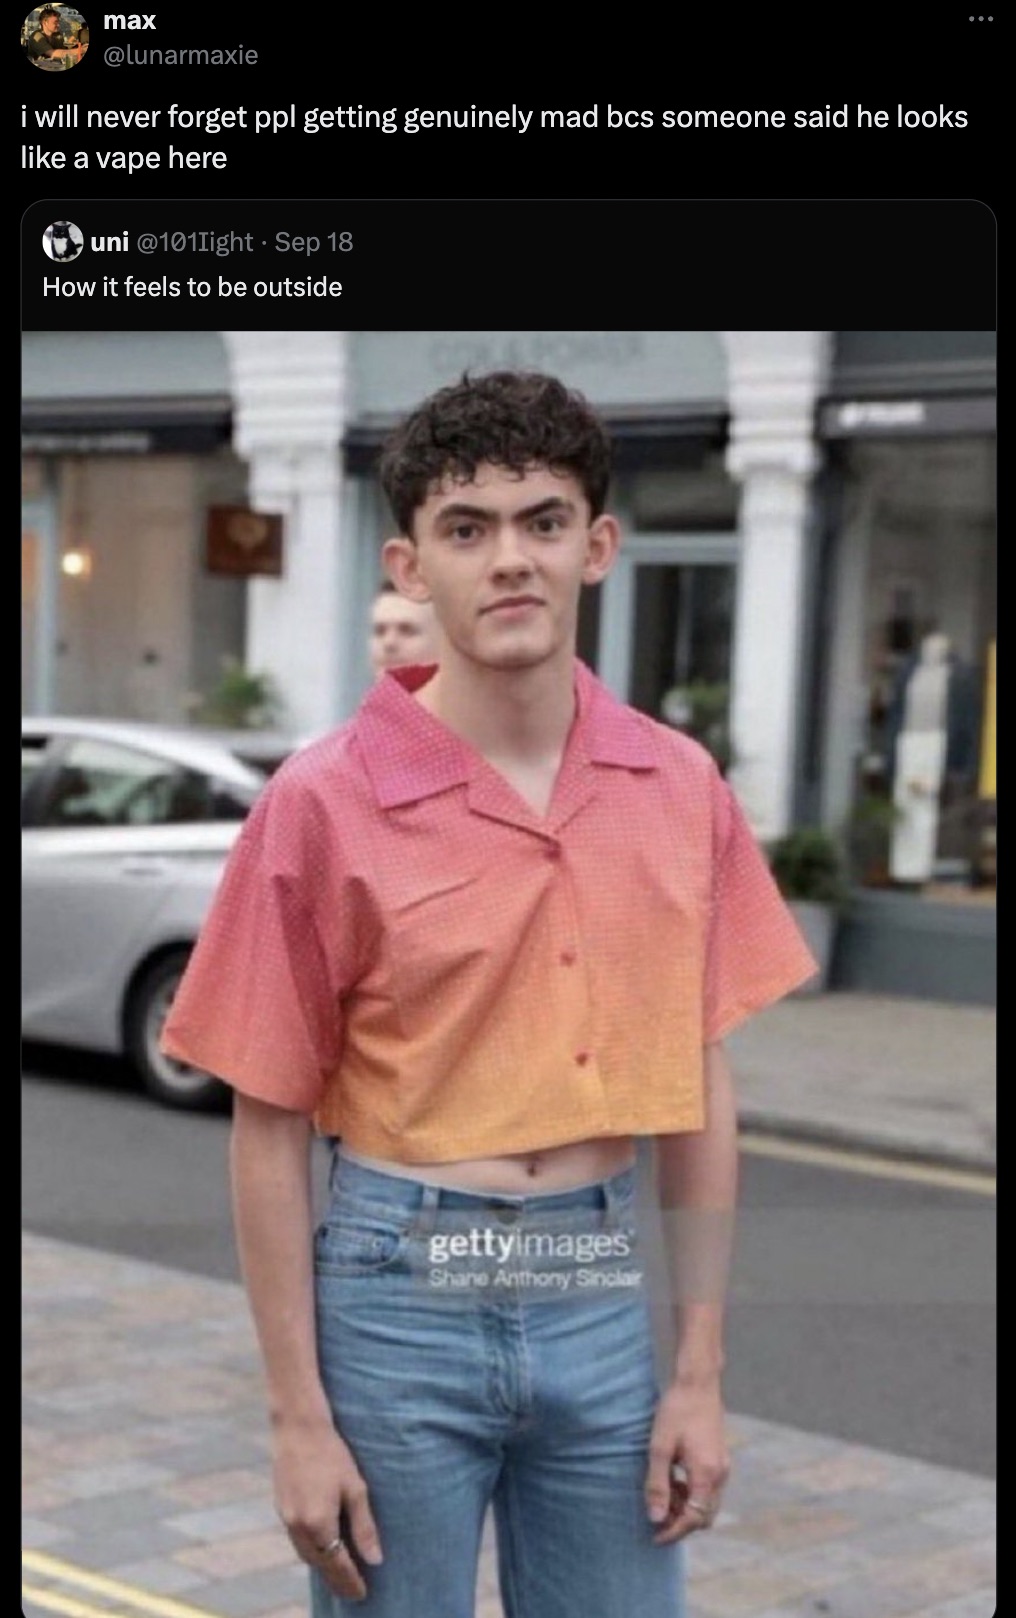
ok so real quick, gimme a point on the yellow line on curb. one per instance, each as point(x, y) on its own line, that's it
point(51, 1567)
point(977, 1182)
point(49, 1601)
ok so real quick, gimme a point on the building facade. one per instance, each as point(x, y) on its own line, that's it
point(802, 511)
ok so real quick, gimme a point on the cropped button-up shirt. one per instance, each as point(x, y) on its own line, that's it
point(401, 947)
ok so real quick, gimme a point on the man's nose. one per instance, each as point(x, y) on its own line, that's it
point(510, 555)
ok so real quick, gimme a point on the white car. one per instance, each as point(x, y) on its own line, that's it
point(125, 830)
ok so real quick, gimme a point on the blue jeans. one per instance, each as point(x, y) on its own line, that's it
point(531, 1391)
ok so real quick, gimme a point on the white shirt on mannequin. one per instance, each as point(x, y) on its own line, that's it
point(920, 763)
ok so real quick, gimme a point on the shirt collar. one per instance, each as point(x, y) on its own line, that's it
point(409, 754)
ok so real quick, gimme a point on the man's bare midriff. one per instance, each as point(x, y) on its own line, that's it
point(541, 1173)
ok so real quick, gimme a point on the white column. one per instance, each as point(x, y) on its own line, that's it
point(289, 390)
point(849, 695)
point(40, 516)
point(775, 379)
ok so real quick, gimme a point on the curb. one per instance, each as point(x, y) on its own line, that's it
point(756, 1121)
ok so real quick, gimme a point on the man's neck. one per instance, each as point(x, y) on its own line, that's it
point(510, 714)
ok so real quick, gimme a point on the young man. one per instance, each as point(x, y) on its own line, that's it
point(489, 932)
point(48, 43)
point(401, 631)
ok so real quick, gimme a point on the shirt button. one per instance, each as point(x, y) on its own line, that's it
point(567, 957)
point(552, 851)
point(582, 1057)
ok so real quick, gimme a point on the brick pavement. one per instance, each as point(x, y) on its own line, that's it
point(146, 1484)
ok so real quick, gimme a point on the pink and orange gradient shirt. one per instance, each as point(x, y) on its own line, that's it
point(401, 947)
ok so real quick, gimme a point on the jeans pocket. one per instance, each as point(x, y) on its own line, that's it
point(359, 1241)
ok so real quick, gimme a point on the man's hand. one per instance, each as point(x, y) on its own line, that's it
point(318, 1486)
point(687, 1435)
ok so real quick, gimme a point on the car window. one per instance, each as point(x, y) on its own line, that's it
point(104, 784)
point(230, 802)
point(266, 760)
point(33, 755)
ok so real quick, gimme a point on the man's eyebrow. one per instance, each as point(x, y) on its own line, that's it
point(460, 508)
point(555, 502)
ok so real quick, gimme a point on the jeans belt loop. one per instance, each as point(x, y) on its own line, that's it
point(426, 1213)
point(612, 1219)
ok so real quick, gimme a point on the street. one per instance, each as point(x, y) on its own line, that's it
point(862, 1307)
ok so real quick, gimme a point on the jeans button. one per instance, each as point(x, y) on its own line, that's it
point(505, 1211)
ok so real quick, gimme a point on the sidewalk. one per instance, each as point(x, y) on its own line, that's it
point(884, 1074)
point(147, 1490)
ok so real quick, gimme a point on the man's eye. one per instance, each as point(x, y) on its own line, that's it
point(465, 531)
point(550, 523)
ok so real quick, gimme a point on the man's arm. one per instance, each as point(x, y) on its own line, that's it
point(697, 1188)
point(316, 1476)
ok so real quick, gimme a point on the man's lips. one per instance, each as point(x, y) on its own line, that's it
point(509, 602)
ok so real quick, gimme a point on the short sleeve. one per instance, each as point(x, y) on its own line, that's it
point(755, 952)
point(259, 1004)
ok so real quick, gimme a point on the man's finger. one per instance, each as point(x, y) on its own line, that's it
point(682, 1524)
point(362, 1527)
point(690, 1508)
point(688, 1514)
point(658, 1484)
point(341, 1572)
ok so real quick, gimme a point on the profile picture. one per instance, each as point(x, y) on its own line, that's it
point(63, 241)
point(55, 37)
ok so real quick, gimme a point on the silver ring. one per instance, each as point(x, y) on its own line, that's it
point(332, 1546)
point(702, 1508)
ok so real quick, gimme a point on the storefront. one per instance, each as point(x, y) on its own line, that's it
point(126, 444)
point(901, 741)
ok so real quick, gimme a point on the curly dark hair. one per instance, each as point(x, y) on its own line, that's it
point(511, 419)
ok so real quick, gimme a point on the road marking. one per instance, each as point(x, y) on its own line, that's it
point(975, 1181)
point(127, 1600)
point(49, 1601)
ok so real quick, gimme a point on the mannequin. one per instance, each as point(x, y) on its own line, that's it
point(920, 762)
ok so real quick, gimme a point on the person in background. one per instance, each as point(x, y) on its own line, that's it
point(401, 631)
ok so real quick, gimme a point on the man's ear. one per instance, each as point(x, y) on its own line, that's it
point(402, 565)
point(602, 546)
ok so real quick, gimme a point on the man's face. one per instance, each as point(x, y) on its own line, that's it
point(401, 631)
point(504, 558)
point(50, 24)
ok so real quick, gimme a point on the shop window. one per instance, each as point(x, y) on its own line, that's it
point(922, 819)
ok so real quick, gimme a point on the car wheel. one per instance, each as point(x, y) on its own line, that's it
point(172, 1083)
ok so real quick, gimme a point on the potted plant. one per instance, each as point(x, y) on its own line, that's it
point(702, 709)
point(243, 699)
point(869, 838)
point(808, 866)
